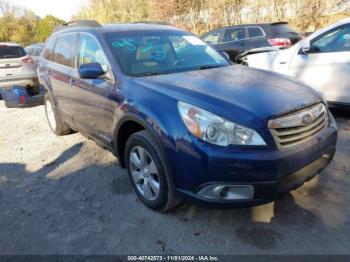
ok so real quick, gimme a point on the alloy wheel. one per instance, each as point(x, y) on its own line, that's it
point(144, 173)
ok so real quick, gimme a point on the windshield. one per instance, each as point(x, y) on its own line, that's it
point(144, 53)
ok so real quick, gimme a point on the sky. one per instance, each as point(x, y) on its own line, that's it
point(63, 9)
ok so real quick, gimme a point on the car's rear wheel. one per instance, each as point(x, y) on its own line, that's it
point(57, 126)
point(148, 172)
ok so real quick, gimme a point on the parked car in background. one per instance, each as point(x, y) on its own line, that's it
point(16, 67)
point(185, 122)
point(34, 50)
point(321, 60)
point(234, 40)
point(23, 97)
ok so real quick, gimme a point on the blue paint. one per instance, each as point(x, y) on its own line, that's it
point(244, 95)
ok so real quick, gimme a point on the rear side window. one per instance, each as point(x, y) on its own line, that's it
point(48, 50)
point(234, 34)
point(255, 32)
point(8, 52)
point(64, 49)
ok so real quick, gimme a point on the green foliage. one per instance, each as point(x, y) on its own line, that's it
point(45, 27)
point(22, 26)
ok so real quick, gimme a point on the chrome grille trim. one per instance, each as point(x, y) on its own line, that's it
point(297, 127)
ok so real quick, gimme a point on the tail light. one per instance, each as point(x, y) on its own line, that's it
point(22, 99)
point(280, 42)
point(28, 60)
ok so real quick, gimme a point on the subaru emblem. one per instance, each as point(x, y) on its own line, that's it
point(307, 119)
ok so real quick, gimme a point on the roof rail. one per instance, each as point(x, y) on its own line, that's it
point(152, 22)
point(77, 23)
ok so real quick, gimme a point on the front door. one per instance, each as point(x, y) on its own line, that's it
point(327, 64)
point(92, 105)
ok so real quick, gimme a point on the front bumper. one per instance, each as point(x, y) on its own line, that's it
point(268, 170)
point(264, 192)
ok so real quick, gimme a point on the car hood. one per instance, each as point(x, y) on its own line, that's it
point(246, 95)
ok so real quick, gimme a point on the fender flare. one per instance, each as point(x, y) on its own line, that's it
point(147, 126)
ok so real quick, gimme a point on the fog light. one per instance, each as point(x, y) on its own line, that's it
point(227, 192)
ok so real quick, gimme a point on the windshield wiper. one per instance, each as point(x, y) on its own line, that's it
point(203, 67)
point(151, 73)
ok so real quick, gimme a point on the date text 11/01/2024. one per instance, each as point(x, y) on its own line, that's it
point(173, 258)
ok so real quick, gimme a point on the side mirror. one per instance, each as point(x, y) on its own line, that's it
point(90, 70)
point(225, 55)
point(305, 48)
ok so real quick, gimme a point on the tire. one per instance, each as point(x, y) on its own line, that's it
point(145, 175)
point(57, 126)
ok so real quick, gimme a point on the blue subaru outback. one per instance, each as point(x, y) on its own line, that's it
point(184, 122)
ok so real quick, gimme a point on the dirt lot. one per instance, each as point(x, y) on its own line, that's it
point(65, 195)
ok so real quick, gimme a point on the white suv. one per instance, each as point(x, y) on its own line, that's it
point(322, 60)
point(16, 67)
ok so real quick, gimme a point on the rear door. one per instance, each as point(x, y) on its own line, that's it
point(233, 41)
point(44, 64)
point(327, 64)
point(61, 70)
point(91, 106)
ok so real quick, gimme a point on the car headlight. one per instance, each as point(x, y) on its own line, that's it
point(216, 130)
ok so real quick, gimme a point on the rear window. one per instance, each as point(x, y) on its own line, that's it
point(7, 52)
point(282, 29)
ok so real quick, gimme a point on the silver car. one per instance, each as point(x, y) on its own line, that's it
point(34, 50)
point(16, 67)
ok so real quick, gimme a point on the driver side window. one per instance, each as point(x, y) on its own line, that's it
point(336, 40)
point(89, 51)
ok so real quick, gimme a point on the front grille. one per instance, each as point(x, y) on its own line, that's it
point(297, 127)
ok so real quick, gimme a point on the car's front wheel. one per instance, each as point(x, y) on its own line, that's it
point(148, 172)
point(57, 126)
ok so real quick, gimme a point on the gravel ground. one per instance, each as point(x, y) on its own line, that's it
point(65, 195)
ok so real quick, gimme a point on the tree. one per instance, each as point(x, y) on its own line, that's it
point(46, 26)
point(113, 11)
